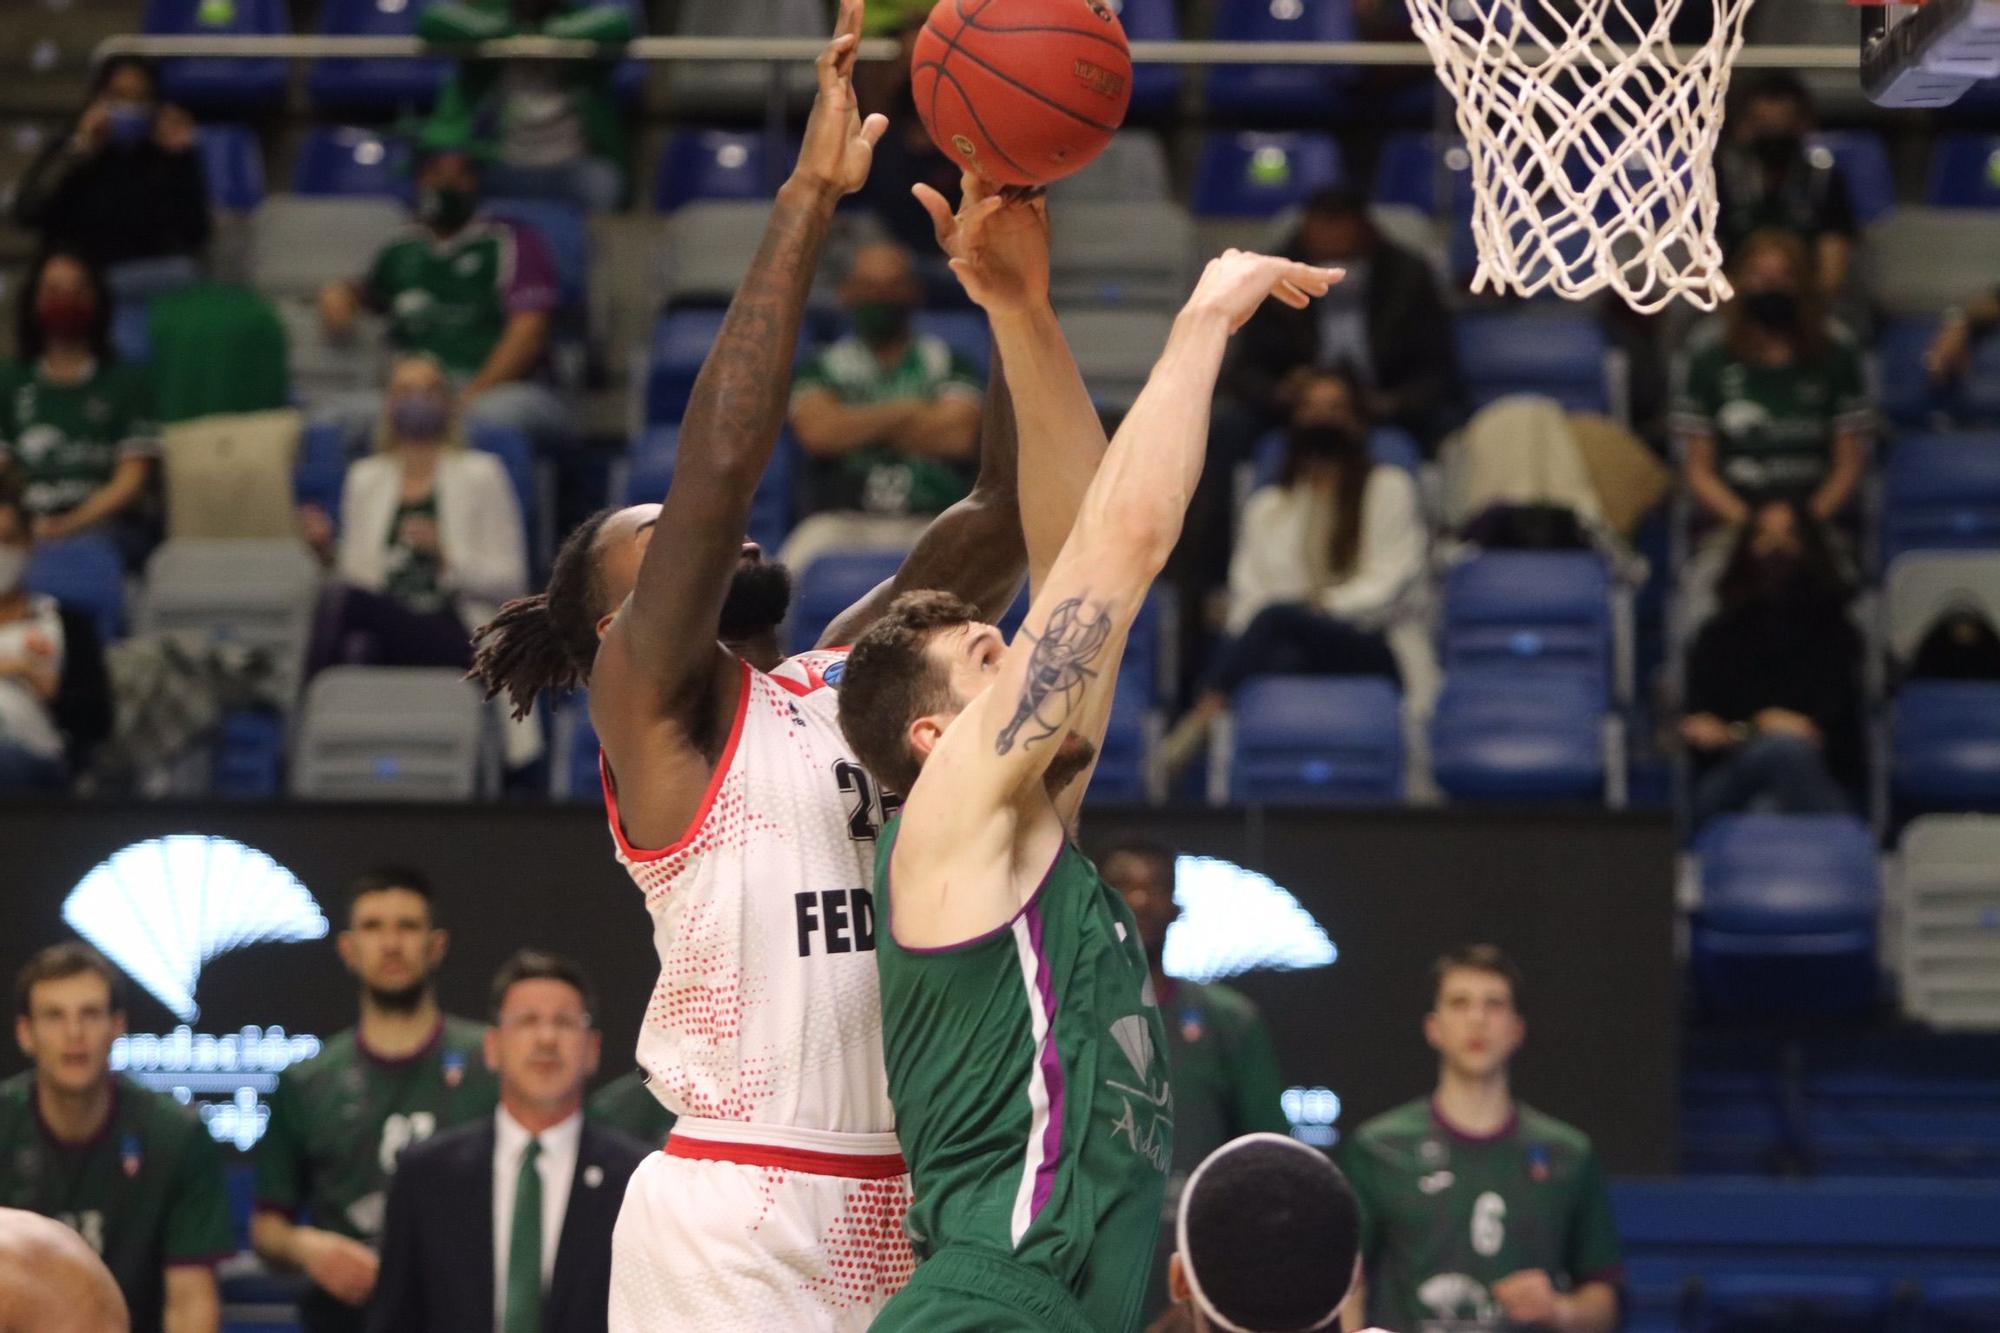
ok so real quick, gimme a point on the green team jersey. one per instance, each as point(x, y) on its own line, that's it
point(881, 478)
point(1225, 1073)
point(1444, 1216)
point(452, 298)
point(1774, 426)
point(339, 1122)
point(65, 440)
point(146, 1193)
point(628, 1104)
point(1028, 1069)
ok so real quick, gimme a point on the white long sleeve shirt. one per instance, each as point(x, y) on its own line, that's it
point(1283, 546)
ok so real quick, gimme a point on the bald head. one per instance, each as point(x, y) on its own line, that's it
point(50, 1282)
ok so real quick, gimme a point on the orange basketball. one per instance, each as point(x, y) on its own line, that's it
point(1022, 91)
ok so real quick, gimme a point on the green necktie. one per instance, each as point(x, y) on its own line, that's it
point(524, 1248)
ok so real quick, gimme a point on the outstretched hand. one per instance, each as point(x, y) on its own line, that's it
point(839, 144)
point(998, 243)
point(1236, 282)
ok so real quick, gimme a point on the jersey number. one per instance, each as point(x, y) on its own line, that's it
point(1489, 1224)
point(872, 807)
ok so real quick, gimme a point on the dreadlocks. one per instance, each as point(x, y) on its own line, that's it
point(549, 640)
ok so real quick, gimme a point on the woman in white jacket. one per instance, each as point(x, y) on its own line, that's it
point(1328, 562)
point(431, 539)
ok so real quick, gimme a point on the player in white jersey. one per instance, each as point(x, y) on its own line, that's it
point(738, 809)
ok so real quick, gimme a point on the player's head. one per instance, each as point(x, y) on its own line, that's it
point(447, 181)
point(1475, 1022)
point(880, 291)
point(69, 1006)
point(543, 1044)
point(51, 1281)
point(917, 668)
point(549, 641)
point(65, 302)
point(1267, 1238)
point(1143, 873)
point(391, 943)
point(1774, 115)
point(1336, 228)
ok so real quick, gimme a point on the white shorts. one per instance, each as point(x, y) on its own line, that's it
point(716, 1238)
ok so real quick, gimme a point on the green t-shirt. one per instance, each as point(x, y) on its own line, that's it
point(340, 1120)
point(452, 298)
point(415, 577)
point(146, 1193)
point(628, 1104)
point(1774, 426)
point(67, 439)
point(1444, 1216)
point(879, 478)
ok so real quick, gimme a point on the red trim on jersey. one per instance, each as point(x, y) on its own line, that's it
point(849, 1166)
point(707, 798)
point(801, 690)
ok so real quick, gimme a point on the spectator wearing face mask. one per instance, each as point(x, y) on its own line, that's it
point(126, 184)
point(76, 426)
point(430, 540)
point(1774, 687)
point(1776, 407)
point(1328, 562)
point(888, 419)
point(1767, 179)
point(55, 703)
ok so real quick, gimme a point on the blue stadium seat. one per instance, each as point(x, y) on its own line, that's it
point(85, 573)
point(1121, 758)
point(373, 87)
point(1535, 612)
point(234, 165)
point(1407, 174)
point(1961, 1305)
point(1910, 398)
point(1389, 446)
point(339, 161)
point(1965, 172)
point(132, 331)
point(247, 759)
point(517, 455)
point(1519, 736)
point(561, 227)
point(219, 84)
point(1297, 94)
point(1784, 1302)
point(1863, 160)
point(1944, 745)
point(679, 345)
point(713, 164)
point(831, 584)
point(1257, 175)
point(573, 772)
point(1316, 740)
point(965, 331)
point(321, 470)
point(1155, 87)
point(649, 472)
point(649, 467)
point(1560, 356)
point(1786, 925)
point(1941, 492)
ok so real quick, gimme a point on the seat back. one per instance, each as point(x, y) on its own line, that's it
point(710, 245)
point(393, 734)
point(1095, 260)
point(257, 592)
point(1556, 355)
point(1131, 169)
point(1519, 736)
point(829, 585)
point(1863, 161)
point(1116, 350)
point(344, 161)
point(1965, 172)
point(1539, 611)
point(300, 243)
point(220, 84)
point(1948, 892)
point(1299, 93)
point(713, 164)
point(1316, 740)
point(1922, 584)
point(1787, 874)
point(1941, 492)
point(374, 86)
point(233, 162)
point(84, 573)
point(1257, 175)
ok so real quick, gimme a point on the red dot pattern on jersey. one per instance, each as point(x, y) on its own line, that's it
point(868, 1254)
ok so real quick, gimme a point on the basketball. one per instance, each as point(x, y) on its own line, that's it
point(1022, 91)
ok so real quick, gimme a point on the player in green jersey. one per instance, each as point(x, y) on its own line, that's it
point(628, 1105)
point(134, 1173)
point(340, 1120)
point(1025, 1055)
point(1479, 1213)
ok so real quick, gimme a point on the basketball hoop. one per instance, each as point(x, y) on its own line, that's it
point(1592, 140)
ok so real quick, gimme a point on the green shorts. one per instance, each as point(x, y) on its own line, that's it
point(961, 1289)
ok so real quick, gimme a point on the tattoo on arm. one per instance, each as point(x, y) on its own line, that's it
point(1059, 672)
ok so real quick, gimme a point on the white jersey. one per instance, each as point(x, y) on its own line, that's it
point(766, 1011)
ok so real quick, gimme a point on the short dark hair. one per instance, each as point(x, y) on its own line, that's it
point(30, 342)
point(59, 962)
point(1342, 201)
point(1779, 85)
point(1144, 849)
point(383, 879)
point(107, 71)
point(540, 965)
point(890, 681)
point(1476, 958)
point(547, 641)
point(1267, 1234)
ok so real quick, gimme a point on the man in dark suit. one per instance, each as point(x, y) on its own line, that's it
point(504, 1225)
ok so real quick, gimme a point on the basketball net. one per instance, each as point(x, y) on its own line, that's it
point(1592, 141)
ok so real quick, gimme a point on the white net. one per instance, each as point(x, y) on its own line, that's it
point(1592, 138)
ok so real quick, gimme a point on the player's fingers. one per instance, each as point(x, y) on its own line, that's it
point(830, 66)
point(1291, 296)
point(941, 216)
point(848, 23)
point(873, 128)
point(978, 215)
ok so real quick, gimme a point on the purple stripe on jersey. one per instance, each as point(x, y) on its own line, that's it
point(1051, 1062)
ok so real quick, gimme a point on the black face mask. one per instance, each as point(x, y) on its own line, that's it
point(1776, 311)
point(1777, 151)
point(758, 597)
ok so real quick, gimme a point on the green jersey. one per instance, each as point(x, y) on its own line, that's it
point(339, 1122)
point(452, 298)
point(1226, 1079)
point(882, 478)
point(1774, 426)
point(1029, 1074)
point(1444, 1215)
point(145, 1193)
point(415, 576)
point(65, 440)
point(628, 1104)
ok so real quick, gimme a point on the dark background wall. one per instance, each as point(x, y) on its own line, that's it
point(1583, 902)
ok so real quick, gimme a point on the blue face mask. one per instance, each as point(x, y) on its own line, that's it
point(420, 417)
point(131, 124)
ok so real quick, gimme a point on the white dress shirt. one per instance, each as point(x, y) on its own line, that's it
point(557, 1167)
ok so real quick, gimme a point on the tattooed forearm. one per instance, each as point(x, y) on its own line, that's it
point(1059, 671)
